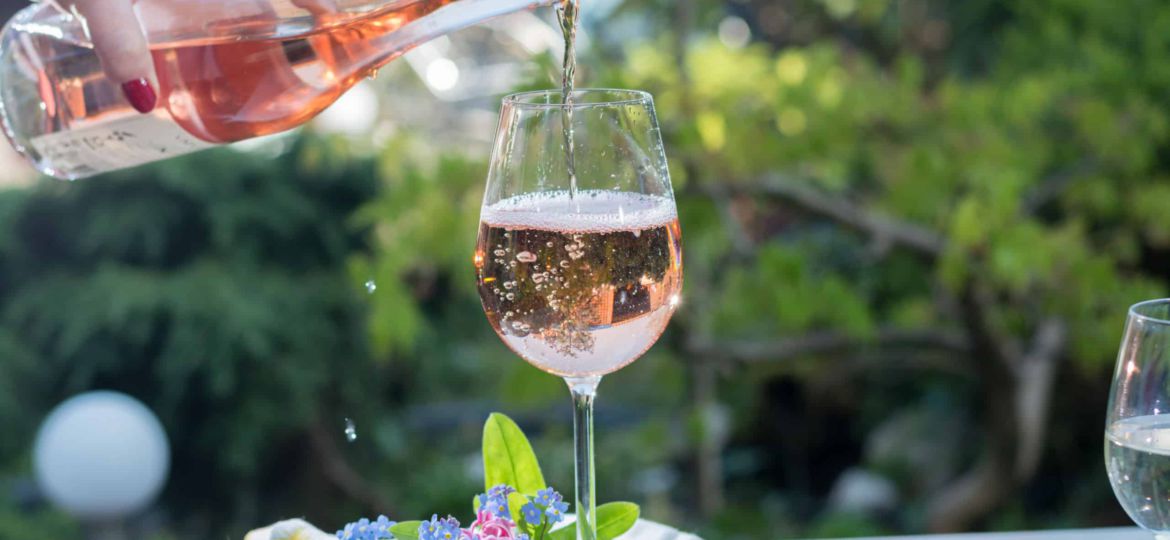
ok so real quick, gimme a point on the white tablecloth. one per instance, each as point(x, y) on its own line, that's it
point(649, 530)
point(1125, 533)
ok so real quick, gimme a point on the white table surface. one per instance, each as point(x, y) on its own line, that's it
point(649, 530)
point(1124, 533)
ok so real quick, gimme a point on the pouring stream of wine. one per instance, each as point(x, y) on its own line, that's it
point(567, 13)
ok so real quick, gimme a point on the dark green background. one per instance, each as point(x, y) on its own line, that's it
point(888, 206)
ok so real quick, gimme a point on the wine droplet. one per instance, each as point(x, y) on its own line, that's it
point(350, 430)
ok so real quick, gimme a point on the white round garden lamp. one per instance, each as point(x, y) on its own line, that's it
point(101, 457)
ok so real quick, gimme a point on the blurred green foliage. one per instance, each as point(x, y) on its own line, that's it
point(1024, 143)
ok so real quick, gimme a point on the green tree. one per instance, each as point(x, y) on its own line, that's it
point(991, 212)
point(214, 288)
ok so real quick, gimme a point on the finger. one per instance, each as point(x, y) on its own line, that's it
point(120, 44)
point(317, 7)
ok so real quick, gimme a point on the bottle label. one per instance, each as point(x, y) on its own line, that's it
point(108, 146)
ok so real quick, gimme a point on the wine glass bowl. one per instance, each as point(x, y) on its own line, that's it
point(1137, 432)
point(579, 282)
point(579, 256)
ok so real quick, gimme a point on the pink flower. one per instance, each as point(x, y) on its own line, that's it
point(490, 527)
point(483, 516)
point(498, 529)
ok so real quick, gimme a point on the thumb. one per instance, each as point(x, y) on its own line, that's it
point(317, 7)
point(120, 44)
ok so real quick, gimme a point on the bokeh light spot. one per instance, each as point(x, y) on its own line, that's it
point(791, 121)
point(442, 74)
point(792, 68)
point(734, 32)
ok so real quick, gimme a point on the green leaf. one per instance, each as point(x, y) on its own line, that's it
point(406, 530)
point(568, 532)
point(508, 457)
point(515, 501)
point(613, 520)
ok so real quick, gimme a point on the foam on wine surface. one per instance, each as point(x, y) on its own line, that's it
point(590, 211)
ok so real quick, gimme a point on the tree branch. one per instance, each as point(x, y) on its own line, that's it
point(977, 313)
point(968, 498)
point(829, 342)
point(1017, 380)
point(741, 243)
point(1053, 186)
point(1036, 376)
point(1017, 387)
point(883, 229)
point(912, 360)
point(984, 486)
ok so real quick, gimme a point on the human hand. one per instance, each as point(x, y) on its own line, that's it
point(122, 47)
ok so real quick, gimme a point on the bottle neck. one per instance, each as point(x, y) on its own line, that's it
point(449, 18)
point(169, 23)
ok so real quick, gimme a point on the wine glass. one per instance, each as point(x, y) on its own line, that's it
point(579, 260)
point(1137, 430)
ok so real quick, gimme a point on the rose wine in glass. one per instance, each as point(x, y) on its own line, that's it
point(579, 274)
point(575, 288)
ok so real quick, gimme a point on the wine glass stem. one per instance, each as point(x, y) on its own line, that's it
point(584, 390)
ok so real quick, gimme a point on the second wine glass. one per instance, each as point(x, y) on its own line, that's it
point(1137, 428)
point(579, 258)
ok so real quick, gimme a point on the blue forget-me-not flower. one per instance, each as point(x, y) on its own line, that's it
point(556, 511)
point(531, 513)
point(548, 496)
point(364, 529)
point(495, 501)
point(440, 529)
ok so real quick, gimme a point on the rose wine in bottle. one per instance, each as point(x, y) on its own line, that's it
point(228, 70)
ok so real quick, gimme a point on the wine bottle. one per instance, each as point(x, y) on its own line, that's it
point(228, 70)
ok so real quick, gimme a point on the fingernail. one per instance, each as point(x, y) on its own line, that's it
point(140, 95)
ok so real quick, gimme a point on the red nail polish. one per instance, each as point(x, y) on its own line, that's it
point(140, 94)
